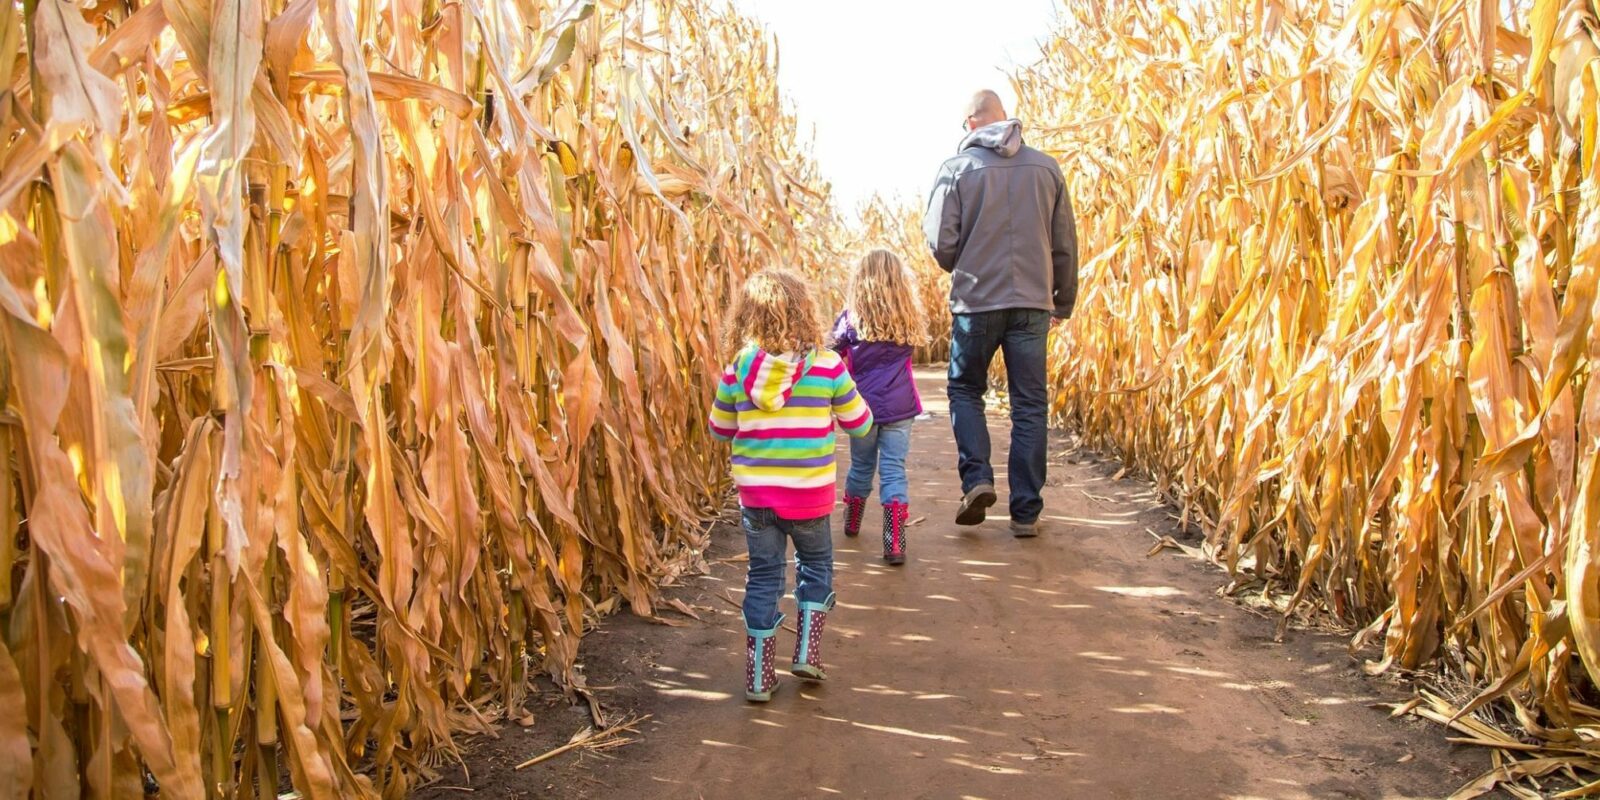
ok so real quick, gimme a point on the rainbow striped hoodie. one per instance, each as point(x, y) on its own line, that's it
point(778, 410)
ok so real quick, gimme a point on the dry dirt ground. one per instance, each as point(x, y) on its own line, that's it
point(1068, 666)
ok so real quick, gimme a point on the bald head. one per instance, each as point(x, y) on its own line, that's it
point(983, 109)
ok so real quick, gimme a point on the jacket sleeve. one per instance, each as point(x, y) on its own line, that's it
point(724, 409)
point(849, 408)
point(941, 224)
point(843, 335)
point(1064, 255)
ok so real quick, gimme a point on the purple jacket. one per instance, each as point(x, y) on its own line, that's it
point(882, 371)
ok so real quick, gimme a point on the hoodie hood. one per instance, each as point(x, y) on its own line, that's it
point(1005, 138)
point(768, 379)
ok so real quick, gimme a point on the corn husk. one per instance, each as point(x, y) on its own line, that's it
point(1339, 299)
point(353, 353)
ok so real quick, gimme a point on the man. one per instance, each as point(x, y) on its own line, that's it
point(1000, 223)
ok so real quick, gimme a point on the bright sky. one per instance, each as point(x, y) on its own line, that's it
point(879, 85)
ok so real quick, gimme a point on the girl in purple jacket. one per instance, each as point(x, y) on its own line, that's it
point(881, 326)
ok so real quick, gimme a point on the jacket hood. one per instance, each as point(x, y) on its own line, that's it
point(768, 379)
point(1005, 138)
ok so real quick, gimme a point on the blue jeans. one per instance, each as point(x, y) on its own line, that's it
point(882, 450)
point(766, 535)
point(1020, 334)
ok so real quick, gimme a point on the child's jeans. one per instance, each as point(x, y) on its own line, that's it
point(766, 534)
point(884, 448)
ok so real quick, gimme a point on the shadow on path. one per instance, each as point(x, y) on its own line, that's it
point(1068, 666)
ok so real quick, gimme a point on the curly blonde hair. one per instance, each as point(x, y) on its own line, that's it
point(774, 311)
point(884, 303)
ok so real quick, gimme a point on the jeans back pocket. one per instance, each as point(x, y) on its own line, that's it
point(756, 519)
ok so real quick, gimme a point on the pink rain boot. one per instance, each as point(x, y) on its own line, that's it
point(808, 645)
point(759, 678)
point(895, 516)
point(854, 509)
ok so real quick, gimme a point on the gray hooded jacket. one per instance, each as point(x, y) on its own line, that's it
point(999, 221)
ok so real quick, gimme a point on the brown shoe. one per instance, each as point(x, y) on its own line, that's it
point(975, 503)
point(1025, 530)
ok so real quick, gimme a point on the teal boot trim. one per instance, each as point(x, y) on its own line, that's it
point(759, 677)
point(808, 644)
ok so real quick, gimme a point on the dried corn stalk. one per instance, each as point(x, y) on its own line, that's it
point(349, 351)
point(1340, 298)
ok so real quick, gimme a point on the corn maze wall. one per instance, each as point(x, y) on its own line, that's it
point(349, 351)
point(352, 353)
point(1340, 298)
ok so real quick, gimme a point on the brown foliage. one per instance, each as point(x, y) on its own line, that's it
point(352, 352)
point(1339, 297)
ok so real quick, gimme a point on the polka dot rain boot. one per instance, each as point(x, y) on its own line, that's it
point(854, 509)
point(808, 645)
point(759, 678)
point(895, 515)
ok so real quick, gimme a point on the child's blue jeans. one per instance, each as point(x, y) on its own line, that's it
point(767, 535)
point(883, 449)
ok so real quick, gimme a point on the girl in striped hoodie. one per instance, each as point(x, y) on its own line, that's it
point(777, 403)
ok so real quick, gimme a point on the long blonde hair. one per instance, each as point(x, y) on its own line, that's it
point(884, 303)
point(774, 311)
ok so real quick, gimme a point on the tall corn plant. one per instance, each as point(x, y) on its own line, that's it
point(351, 352)
point(1340, 298)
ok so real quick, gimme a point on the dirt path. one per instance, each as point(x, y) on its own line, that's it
point(1069, 666)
